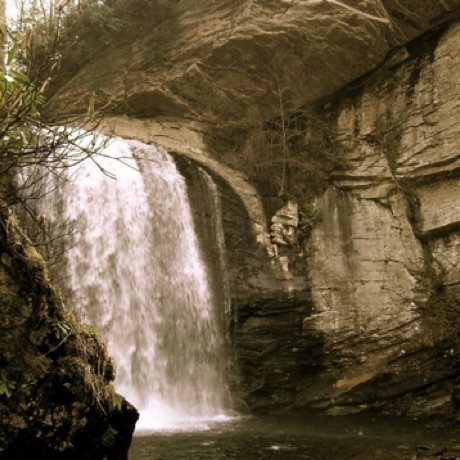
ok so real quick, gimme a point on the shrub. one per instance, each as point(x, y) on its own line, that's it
point(441, 317)
point(289, 162)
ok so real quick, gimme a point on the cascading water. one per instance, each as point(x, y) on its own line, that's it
point(216, 212)
point(138, 277)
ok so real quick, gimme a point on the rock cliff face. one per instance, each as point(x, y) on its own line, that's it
point(383, 262)
point(359, 316)
point(224, 59)
point(390, 226)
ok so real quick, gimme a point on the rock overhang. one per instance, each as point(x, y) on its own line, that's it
point(226, 60)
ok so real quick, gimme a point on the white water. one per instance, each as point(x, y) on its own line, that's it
point(220, 240)
point(138, 277)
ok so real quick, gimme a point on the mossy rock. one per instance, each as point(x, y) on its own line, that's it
point(59, 401)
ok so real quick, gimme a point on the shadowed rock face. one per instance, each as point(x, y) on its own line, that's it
point(228, 59)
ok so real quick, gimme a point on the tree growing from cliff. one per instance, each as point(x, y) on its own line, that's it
point(25, 138)
point(292, 153)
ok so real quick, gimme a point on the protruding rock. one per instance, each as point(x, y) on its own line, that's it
point(284, 225)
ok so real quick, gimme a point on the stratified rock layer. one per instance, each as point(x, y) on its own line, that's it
point(231, 59)
point(390, 226)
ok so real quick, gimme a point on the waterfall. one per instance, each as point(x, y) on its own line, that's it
point(216, 212)
point(138, 277)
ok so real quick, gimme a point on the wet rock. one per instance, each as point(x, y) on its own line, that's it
point(387, 223)
point(440, 453)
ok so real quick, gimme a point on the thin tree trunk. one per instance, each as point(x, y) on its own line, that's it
point(3, 32)
point(283, 133)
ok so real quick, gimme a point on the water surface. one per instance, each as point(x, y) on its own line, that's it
point(299, 437)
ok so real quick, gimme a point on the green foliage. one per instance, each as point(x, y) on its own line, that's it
point(25, 139)
point(26, 384)
point(95, 22)
point(20, 103)
point(60, 328)
point(75, 37)
point(7, 384)
point(138, 12)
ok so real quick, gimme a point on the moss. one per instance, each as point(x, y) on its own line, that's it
point(441, 316)
point(387, 136)
point(55, 372)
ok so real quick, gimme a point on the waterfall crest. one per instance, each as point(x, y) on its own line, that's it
point(138, 276)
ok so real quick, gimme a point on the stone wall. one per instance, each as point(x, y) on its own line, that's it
point(341, 326)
